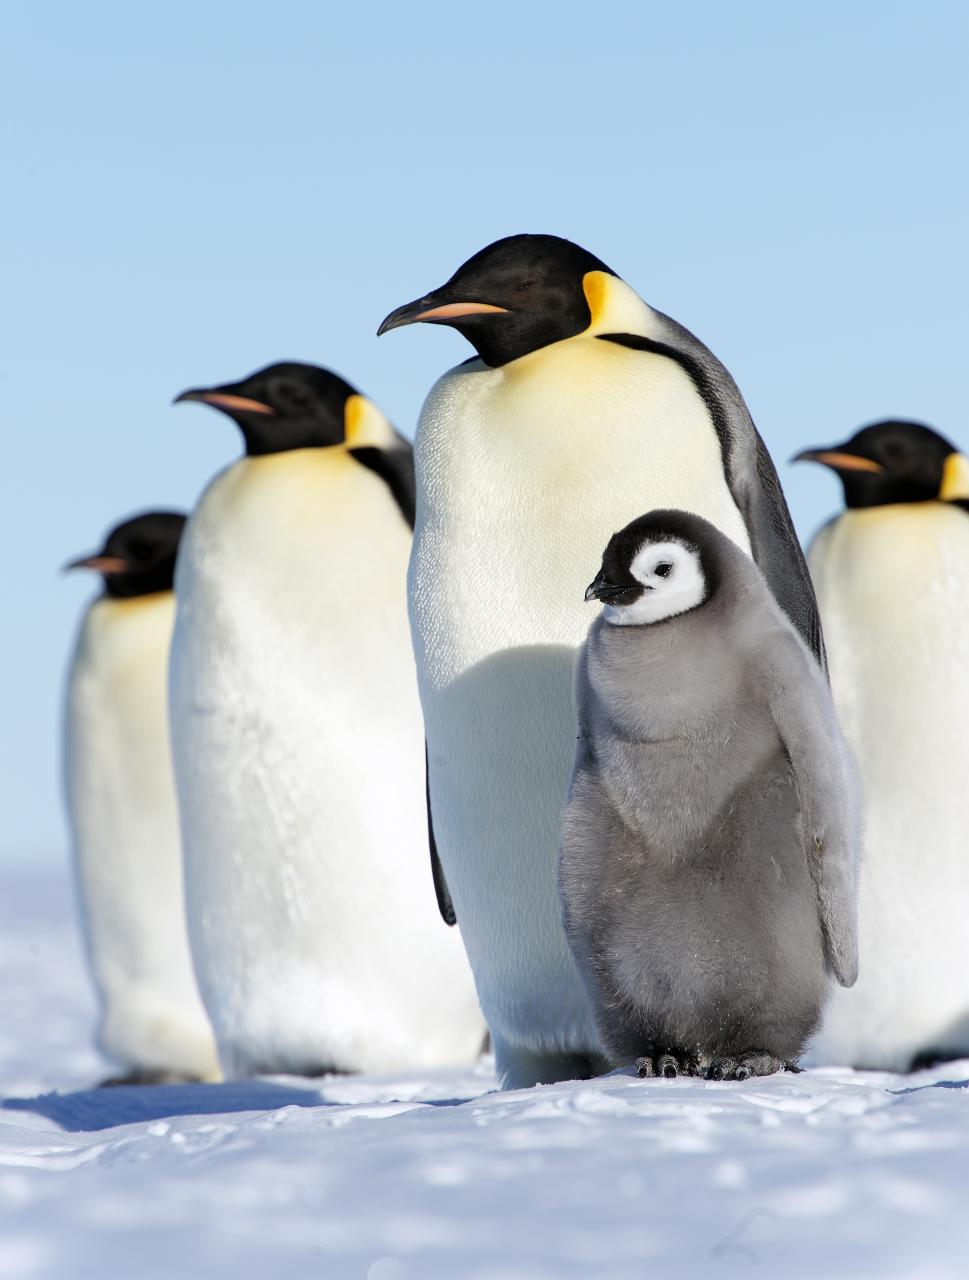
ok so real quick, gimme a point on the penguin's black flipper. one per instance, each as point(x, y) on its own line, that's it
point(445, 905)
point(778, 553)
point(396, 468)
point(750, 474)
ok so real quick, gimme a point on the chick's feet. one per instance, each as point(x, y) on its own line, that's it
point(666, 1065)
point(743, 1066)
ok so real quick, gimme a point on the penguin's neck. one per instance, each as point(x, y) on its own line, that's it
point(616, 308)
point(526, 471)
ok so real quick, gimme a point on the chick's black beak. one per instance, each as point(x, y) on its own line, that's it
point(433, 309)
point(598, 587)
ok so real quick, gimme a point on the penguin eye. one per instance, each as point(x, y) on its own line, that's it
point(524, 286)
point(663, 570)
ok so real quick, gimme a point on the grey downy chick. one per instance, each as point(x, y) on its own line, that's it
point(710, 848)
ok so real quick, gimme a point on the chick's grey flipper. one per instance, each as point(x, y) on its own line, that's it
point(827, 793)
point(750, 474)
point(396, 468)
point(444, 902)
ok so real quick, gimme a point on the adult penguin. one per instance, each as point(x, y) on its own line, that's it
point(298, 748)
point(123, 813)
point(892, 576)
point(583, 407)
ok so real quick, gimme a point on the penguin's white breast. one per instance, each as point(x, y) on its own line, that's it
point(527, 470)
point(893, 588)
point(118, 730)
point(294, 571)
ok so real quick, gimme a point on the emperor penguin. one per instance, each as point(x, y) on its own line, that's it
point(710, 848)
point(583, 407)
point(123, 815)
point(298, 746)
point(892, 577)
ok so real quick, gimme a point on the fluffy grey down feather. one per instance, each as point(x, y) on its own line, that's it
point(711, 839)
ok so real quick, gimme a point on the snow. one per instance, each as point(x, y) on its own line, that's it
point(825, 1174)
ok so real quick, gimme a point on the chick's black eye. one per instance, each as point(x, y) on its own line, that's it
point(663, 570)
point(524, 286)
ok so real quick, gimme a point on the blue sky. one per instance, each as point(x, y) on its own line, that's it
point(194, 190)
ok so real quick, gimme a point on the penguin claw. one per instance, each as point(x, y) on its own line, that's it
point(666, 1066)
point(722, 1069)
point(742, 1068)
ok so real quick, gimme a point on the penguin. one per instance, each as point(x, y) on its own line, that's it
point(122, 812)
point(583, 407)
point(298, 746)
point(710, 847)
point(892, 577)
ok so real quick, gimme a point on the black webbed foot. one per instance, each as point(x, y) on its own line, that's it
point(744, 1066)
point(929, 1058)
point(148, 1076)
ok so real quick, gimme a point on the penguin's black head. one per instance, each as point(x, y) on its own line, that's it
point(664, 564)
point(519, 294)
point(284, 406)
point(893, 461)
point(138, 556)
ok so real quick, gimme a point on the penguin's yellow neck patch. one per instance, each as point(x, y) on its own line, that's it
point(955, 478)
point(124, 606)
point(364, 424)
point(614, 306)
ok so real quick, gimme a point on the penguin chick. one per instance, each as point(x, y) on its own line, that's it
point(707, 870)
point(123, 814)
point(892, 576)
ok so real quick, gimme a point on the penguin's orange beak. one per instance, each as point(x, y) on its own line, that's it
point(100, 564)
point(226, 401)
point(838, 460)
point(431, 311)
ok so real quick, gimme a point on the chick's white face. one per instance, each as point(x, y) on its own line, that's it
point(672, 580)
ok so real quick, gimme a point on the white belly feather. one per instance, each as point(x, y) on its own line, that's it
point(121, 797)
point(893, 589)
point(524, 473)
point(299, 756)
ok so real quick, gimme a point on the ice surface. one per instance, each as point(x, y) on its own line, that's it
point(827, 1174)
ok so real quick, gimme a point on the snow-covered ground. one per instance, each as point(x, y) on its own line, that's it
point(826, 1174)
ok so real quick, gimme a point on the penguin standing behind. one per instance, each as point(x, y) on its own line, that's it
point(123, 814)
point(583, 408)
point(892, 576)
point(298, 746)
point(708, 861)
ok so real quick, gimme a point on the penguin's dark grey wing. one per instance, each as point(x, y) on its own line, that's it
point(444, 903)
point(396, 468)
point(750, 475)
point(777, 549)
point(827, 790)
